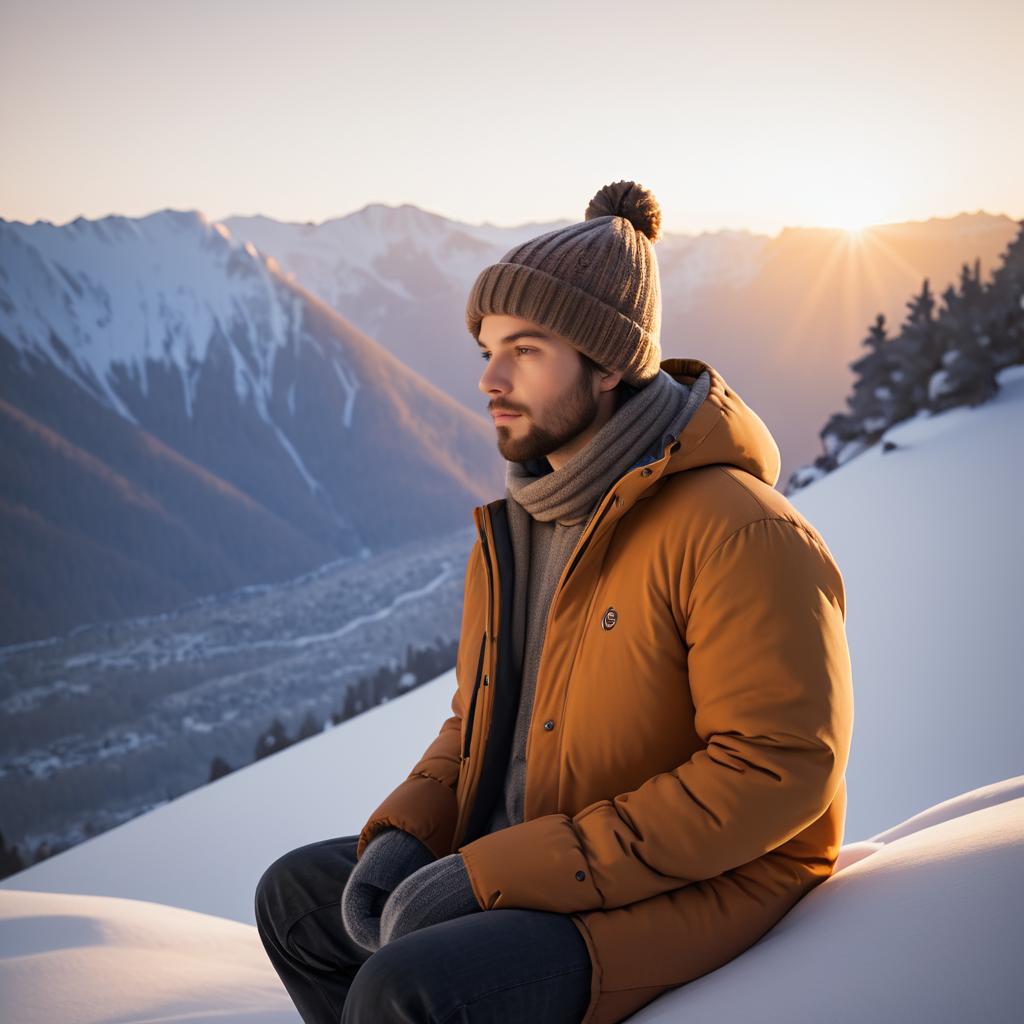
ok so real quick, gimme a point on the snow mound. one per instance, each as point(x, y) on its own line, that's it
point(70, 959)
point(926, 927)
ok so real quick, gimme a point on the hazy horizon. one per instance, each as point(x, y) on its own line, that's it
point(737, 116)
point(492, 223)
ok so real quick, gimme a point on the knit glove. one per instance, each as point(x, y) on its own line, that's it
point(389, 857)
point(438, 892)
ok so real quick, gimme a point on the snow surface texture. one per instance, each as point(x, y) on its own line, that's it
point(67, 959)
point(930, 541)
point(923, 919)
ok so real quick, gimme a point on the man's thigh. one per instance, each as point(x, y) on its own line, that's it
point(298, 902)
point(495, 966)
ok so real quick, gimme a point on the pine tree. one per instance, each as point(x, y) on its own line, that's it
point(1004, 325)
point(219, 768)
point(967, 375)
point(273, 740)
point(10, 859)
point(311, 726)
point(916, 355)
point(871, 403)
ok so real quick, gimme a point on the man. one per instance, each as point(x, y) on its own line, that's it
point(644, 766)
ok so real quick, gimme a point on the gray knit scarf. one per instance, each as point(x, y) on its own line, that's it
point(549, 509)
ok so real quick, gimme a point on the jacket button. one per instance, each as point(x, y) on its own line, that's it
point(549, 724)
point(580, 875)
point(485, 680)
point(646, 471)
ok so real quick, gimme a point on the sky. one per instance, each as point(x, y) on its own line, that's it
point(737, 114)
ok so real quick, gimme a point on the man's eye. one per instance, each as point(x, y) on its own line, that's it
point(521, 348)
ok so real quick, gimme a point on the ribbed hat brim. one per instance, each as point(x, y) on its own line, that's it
point(515, 289)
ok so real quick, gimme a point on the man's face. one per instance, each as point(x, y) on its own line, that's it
point(539, 376)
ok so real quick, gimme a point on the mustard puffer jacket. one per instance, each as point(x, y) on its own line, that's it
point(691, 726)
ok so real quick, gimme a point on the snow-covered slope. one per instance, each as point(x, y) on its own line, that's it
point(930, 540)
point(923, 919)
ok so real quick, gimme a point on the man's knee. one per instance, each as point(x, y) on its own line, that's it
point(270, 901)
point(390, 989)
point(300, 880)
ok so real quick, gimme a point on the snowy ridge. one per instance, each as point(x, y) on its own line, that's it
point(92, 295)
point(369, 251)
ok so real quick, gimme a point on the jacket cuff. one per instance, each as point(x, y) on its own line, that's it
point(423, 806)
point(536, 865)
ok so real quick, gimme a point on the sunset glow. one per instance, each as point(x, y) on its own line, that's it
point(738, 115)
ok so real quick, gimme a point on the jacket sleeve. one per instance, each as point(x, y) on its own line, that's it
point(425, 803)
point(770, 679)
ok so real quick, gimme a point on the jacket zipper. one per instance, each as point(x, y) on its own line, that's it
point(472, 702)
point(471, 778)
point(489, 628)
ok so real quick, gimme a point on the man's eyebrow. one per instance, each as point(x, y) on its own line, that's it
point(516, 335)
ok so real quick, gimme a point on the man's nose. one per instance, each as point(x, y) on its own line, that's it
point(492, 379)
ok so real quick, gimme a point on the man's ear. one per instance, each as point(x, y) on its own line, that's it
point(610, 379)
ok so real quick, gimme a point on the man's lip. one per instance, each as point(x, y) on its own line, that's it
point(505, 415)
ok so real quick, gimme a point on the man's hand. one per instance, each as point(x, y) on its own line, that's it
point(391, 856)
point(438, 892)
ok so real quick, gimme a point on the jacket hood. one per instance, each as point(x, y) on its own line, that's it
point(724, 429)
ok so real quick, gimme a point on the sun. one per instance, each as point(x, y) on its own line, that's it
point(843, 204)
point(853, 220)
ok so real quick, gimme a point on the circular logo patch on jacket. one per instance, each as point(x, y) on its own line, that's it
point(610, 618)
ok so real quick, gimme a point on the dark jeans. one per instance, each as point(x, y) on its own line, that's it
point(491, 966)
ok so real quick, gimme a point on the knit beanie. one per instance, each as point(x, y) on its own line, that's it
point(595, 283)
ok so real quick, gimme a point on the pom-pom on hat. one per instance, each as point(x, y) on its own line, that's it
point(595, 283)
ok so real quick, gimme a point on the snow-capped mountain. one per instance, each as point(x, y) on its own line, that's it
point(178, 417)
point(922, 918)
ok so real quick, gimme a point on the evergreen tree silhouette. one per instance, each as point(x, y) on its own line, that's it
point(939, 359)
point(1004, 328)
point(311, 726)
point(966, 376)
point(916, 356)
point(872, 400)
point(273, 740)
point(219, 768)
point(10, 859)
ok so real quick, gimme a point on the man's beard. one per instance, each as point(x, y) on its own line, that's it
point(571, 414)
